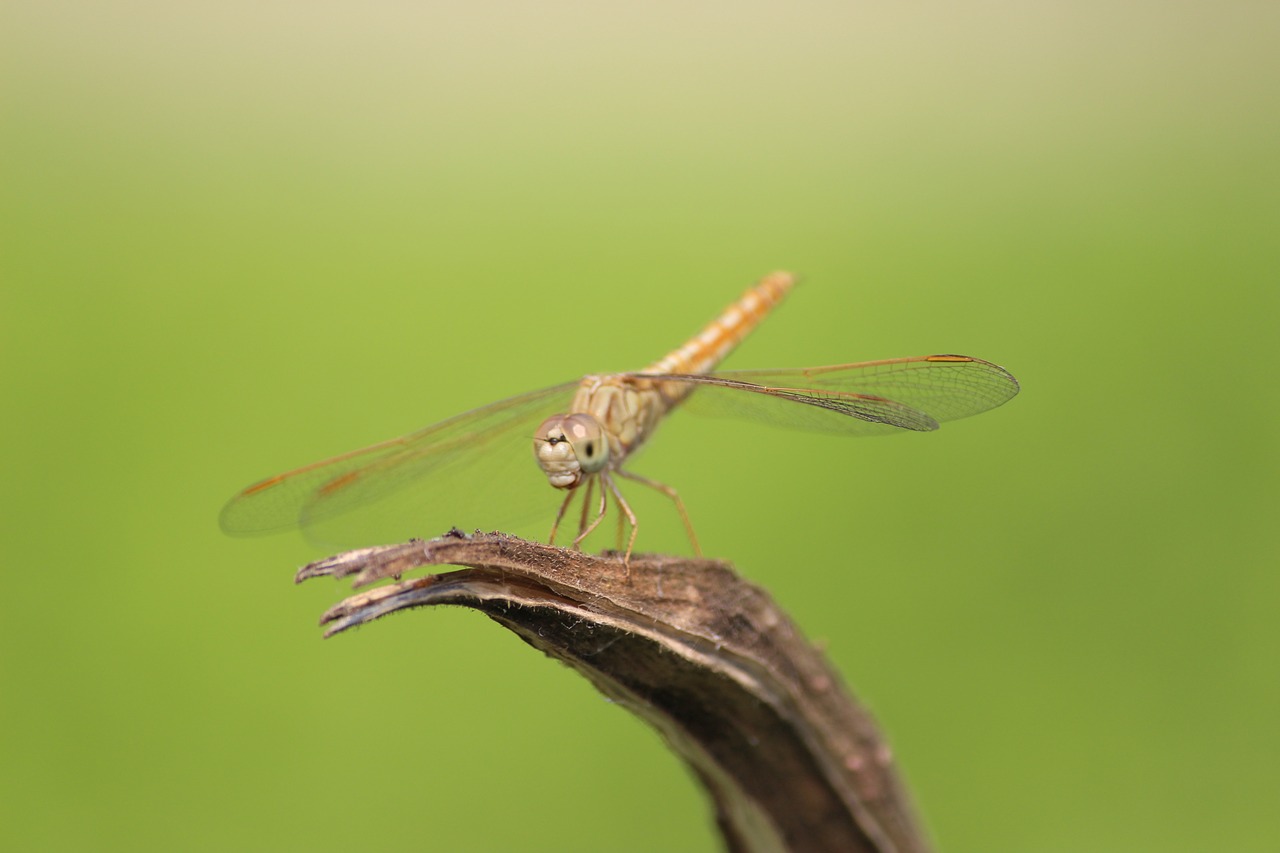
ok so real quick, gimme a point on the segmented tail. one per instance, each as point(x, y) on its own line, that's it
point(704, 351)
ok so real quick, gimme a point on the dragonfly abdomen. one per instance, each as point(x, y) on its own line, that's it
point(702, 352)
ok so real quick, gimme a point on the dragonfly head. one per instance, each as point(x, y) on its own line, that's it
point(570, 447)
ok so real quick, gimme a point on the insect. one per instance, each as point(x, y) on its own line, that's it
point(465, 464)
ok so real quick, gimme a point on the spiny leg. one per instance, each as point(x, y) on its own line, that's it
point(586, 505)
point(555, 525)
point(621, 526)
point(631, 517)
point(675, 497)
point(584, 533)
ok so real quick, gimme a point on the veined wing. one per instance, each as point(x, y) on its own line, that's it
point(869, 398)
point(473, 469)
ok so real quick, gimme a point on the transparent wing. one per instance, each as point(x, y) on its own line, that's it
point(475, 469)
point(869, 398)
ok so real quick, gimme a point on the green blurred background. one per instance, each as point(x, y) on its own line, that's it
point(240, 237)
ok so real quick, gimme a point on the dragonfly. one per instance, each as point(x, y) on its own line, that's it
point(469, 465)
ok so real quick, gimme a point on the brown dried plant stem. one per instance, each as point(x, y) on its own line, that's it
point(791, 762)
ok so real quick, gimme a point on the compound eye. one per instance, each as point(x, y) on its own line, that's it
point(552, 430)
point(590, 444)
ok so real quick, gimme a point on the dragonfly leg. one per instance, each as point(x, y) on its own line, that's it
point(555, 525)
point(675, 497)
point(631, 518)
point(586, 508)
point(621, 527)
point(583, 533)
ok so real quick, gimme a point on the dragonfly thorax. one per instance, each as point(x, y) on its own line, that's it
point(569, 448)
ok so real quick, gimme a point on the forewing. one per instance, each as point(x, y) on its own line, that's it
point(473, 469)
point(868, 398)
